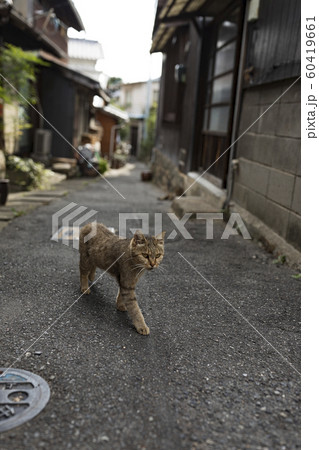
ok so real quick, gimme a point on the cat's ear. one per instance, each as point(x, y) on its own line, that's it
point(138, 238)
point(160, 236)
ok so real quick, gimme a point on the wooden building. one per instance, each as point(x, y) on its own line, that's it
point(65, 94)
point(66, 98)
point(34, 24)
point(110, 117)
point(224, 64)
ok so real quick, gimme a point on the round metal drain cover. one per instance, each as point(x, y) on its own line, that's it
point(22, 396)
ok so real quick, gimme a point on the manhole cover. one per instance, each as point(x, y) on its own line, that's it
point(22, 396)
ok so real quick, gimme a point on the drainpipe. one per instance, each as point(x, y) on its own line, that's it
point(148, 105)
point(231, 165)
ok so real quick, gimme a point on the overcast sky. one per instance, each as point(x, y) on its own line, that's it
point(124, 28)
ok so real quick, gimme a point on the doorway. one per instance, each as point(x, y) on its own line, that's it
point(134, 140)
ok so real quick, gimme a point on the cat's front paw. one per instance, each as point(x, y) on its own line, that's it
point(86, 291)
point(143, 330)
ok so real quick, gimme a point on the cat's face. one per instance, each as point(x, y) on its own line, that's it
point(147, 251)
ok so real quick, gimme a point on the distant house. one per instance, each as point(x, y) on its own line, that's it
point(137, 98)
point(83, 55)
point(225, 63)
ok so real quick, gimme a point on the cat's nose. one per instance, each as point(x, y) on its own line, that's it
point(152, 263)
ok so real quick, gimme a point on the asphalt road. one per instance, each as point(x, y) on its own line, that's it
point(219, 369)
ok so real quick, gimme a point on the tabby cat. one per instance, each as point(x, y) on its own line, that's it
point(124, 259)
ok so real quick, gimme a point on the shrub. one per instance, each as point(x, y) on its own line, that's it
point(103, 165)
point(25, 173)
point(149, 141)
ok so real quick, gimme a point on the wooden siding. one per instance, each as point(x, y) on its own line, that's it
point(187, 137)
point(273, 47)
point(175, 98)
point(107, 123)
point(57, 96)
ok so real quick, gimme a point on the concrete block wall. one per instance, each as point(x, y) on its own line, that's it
point(267, 181)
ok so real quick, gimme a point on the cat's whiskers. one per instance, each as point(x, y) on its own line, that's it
point(138, 266)
point(161, 267)
point(143, 268)
point(129, 258)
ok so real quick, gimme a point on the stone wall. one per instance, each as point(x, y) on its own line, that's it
point(267, 181)
point(166, 175)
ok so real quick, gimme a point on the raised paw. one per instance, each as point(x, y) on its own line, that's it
point(86, 291)
point(143, 330)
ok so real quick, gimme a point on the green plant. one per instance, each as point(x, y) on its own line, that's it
point(19, 69)
point(149, 141)
point(17, 84)
point(297, 276)
point(114, 81)
point(18, 213)
point(124, 132)
point(280, 260)
point(103, 165)
point(24, 172)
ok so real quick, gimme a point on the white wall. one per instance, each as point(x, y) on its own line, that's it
point(133, 96)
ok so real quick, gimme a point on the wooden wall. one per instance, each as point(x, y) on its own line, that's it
point(273, 47)
point(57, 96)
point(273, 50)
point(177, 107)
point(107, 123)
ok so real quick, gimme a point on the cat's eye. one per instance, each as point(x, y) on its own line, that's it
point(158, 256)
point(145, 255)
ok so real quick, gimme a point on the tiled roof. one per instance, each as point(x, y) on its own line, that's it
point(85, 49)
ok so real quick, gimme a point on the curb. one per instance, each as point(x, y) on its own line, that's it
point(22, 203)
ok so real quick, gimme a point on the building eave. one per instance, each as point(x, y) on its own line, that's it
point(115, 112)
point(180, 12)
point(75, 76)
point(67, 12)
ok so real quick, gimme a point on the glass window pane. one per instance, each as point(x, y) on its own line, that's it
point(225, 59)
point(208, 93)
point(222, 89)
point(227, 31)
point(219, 116)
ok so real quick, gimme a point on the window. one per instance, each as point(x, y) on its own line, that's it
point(220, 76)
